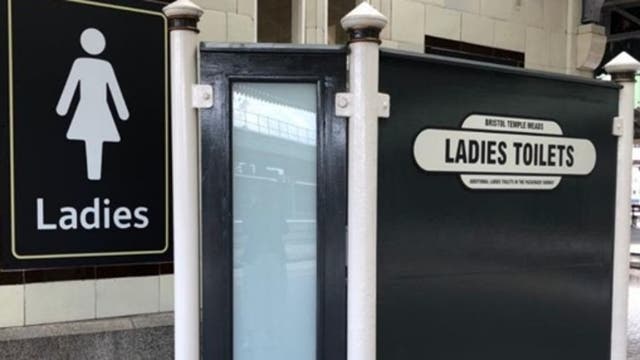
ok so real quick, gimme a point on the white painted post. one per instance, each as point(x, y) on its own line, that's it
point(363, 24)
point(623, 70)
point(183, 17)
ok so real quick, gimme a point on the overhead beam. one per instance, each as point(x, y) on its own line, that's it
point(619, 3)
point(623, 36)
point(627, 15)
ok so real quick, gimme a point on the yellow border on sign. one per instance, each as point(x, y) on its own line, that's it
point(166, 131)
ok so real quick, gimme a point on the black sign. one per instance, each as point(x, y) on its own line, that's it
point(86, 162)
point(496, 207)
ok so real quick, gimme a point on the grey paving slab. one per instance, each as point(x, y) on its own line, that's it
point(86, 326)
point(634, 315)
point(138, 344)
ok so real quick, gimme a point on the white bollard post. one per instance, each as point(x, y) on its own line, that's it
point(363, 24)
point(183, 17)
point(623, 70)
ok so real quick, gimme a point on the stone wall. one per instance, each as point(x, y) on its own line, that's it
point(544, 30)
point(548, 32)
point(228, 20)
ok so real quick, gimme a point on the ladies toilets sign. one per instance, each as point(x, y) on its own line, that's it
point(495, 152)
point(86, 162)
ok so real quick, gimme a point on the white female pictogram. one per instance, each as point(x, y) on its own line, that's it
point(92, 121)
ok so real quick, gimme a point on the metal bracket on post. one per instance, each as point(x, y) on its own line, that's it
point(344, 105)
point(618, 129)
point(201, 96)
point(384, 106)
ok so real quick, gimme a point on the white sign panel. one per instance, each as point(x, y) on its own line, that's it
point(495, 152)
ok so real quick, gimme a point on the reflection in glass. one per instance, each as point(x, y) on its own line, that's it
point(274, 211)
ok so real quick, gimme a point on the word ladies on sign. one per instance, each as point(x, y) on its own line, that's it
point(97, 216)
point(474, 152)
point(470, 151)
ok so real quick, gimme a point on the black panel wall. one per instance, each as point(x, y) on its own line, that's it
point(511, 274)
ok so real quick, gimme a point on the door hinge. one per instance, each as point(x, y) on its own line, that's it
point(344, 105)
point(618, 128)
point(201, 96)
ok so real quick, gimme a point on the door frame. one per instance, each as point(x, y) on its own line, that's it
point(220, 66)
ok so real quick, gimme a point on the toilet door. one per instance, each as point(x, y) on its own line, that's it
point(274, 203)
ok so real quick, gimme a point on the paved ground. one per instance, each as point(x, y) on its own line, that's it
point(634, 315)
point(634, 302)
point(139, 337)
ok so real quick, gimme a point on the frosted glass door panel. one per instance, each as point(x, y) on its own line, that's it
point(274, 212)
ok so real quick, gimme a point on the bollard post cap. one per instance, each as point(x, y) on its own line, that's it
point(183, 9)
point(362, 17)
point(622, 63)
